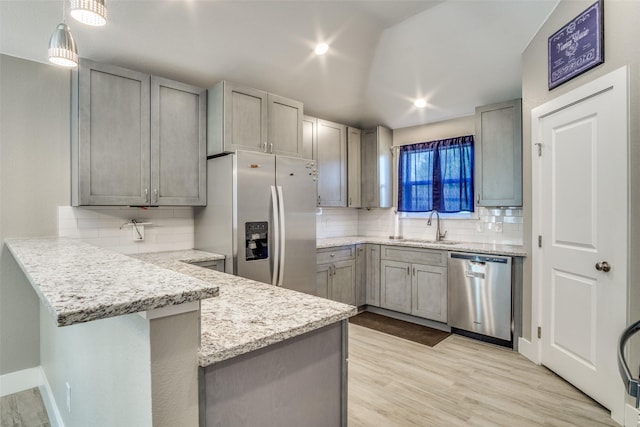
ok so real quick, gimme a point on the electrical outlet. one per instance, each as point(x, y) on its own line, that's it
point(68, 397)
point(138, 233)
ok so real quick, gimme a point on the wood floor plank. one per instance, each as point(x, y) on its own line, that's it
point(23, 409)
point(459, 382)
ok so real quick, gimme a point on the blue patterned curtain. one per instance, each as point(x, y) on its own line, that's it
point(436, 175)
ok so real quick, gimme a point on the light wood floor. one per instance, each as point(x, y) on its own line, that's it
point(459, 382)
point(23, 409)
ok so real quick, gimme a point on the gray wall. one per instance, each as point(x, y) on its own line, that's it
point(34, 180)
point(622, 34)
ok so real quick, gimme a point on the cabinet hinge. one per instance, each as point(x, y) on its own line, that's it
point(539, 148)
point(539, 332)
point(539, 241)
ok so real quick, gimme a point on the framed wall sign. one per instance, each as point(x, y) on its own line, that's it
point(576, 47)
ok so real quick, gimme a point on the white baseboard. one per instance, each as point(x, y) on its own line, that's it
point(49, 402)
point(631, 416)
point(528, 350)
point(32, 378)
point(20, 381)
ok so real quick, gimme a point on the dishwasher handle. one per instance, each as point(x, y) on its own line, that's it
point(480, 259)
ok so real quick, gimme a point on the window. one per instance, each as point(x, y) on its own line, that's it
point(436, 175)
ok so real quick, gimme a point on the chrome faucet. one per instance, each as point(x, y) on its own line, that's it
point(438, 235)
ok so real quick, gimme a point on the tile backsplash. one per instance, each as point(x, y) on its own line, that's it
point(171, 228)
point(503, 226)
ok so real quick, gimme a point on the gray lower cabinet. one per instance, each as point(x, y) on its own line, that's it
point(414, 281)
point(332, 164)
point(136, 139)
point(498, 154)
point(361, 275)
point(336, 274)
point(395, 286)
point(372, 274)
point(429, 292)
point(244, 118)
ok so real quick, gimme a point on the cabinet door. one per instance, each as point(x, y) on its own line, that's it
point(309, 136)
point(245, 118)
point(429, 292)
point(395, 286)
point(372, 276)
point(361, 275)
point(498, 154)
point(111, 144)
point(178, 143)
point(342, 286)
point(377, 168)
point(353, 167)
point(332, 164)
point(285, 126)
point(323, 277)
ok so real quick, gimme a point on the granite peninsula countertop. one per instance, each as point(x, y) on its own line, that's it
point(79, 282)
point(484, 248)
point(248, 315)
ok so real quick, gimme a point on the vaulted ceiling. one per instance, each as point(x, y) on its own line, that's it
point(383, 54)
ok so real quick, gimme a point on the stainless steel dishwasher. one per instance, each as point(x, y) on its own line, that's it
point(480, 294)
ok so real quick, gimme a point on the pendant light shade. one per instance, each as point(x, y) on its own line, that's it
point(62, 47)
point(90, 12)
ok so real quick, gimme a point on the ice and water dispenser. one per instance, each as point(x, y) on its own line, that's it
point(256, 240)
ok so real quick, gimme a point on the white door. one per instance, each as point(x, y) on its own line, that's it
point(583, 223)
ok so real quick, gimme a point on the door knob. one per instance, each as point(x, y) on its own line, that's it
point(603, 266)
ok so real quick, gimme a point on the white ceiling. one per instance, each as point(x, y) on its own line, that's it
point(457, 54)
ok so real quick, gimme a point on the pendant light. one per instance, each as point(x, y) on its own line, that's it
point(62, 47)
point(90, 12)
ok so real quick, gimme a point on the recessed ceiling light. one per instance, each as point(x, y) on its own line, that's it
point(321, 49)
point(420, 103)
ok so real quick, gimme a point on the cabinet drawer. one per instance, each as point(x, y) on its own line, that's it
point(335, 254)
point(415, 255)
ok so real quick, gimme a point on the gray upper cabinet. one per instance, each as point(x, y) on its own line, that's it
point(332, 164)
point(284, 133)
point(178, 143)
point(309, 137)
point(110, 136)
point(243, 118)
point(354, 160)
point(136, 140)
point(377, 168)
point(498, 153)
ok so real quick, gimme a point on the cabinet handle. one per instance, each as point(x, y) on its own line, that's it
point(271, 148)
point(350, 201)
point(408, 270)
point(318, 200)
point(478, 199)
point(414, 271)
point(264, 146)
point(146, 195)
point(155, 195)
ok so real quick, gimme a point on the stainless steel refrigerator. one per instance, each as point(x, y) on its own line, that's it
point(260, 214)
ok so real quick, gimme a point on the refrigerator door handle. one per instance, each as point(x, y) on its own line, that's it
point(281, 254)
point(276, 239)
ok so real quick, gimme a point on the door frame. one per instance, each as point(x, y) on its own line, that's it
point(617, 79)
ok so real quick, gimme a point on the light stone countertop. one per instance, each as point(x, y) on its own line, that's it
point(483, 248)
point(79, 282)
point(248, 315)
